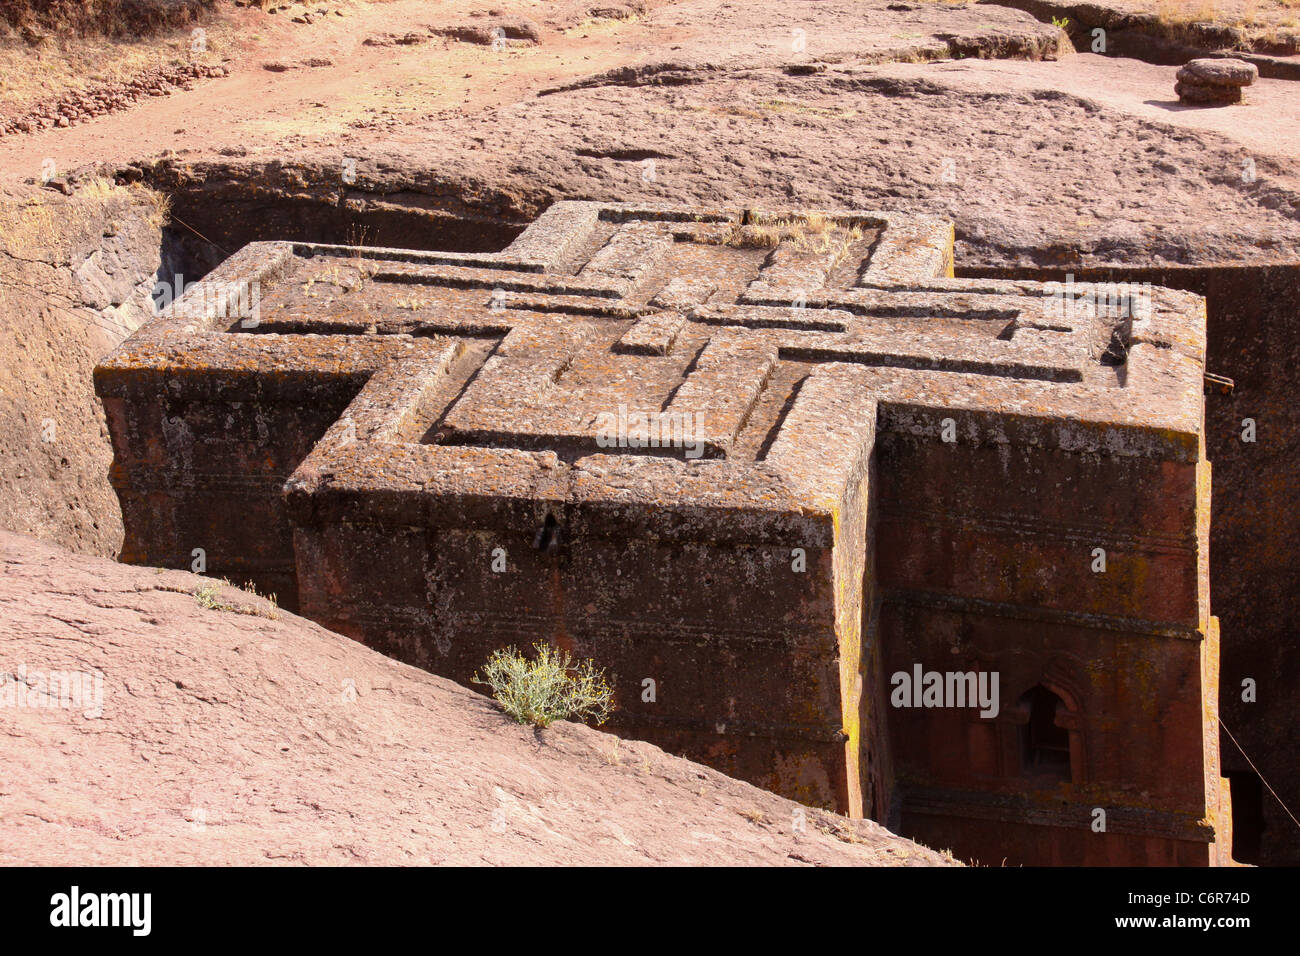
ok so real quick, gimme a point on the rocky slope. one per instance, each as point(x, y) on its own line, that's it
point(76, 272)
point(227, 732)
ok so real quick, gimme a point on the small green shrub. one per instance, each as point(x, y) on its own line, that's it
point(548, 688)
point(209, 596)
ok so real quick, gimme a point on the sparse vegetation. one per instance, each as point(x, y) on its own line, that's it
point(608, 22)
point(343, 276)
point(209, 596)
point(1182, 11)
point(788, 106)
point(813, 233)
point(159, 203)
point(844, 830)
point(548, 688)
point(45, 224)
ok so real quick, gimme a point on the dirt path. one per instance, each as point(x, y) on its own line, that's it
point(377, 70)
point(357, 88)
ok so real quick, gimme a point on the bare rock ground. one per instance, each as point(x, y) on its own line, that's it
point(1022, 173)
point(1081, 159)
point(247, 736)
point(712, 37)
point(1030, 175)
point(1268, 125)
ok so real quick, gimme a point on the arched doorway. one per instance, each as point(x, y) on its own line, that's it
point(1044, 743)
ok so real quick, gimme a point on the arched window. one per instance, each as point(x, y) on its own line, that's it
point(1044, 745)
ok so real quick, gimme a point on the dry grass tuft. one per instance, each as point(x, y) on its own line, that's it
point(43, 225)
point(814, 233)
point(1183, 11)
point(34, 73)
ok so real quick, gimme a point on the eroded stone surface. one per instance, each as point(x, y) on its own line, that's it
point(831, 462)
point(75, 277)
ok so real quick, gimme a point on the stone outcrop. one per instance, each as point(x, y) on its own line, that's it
point(1214, 81)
